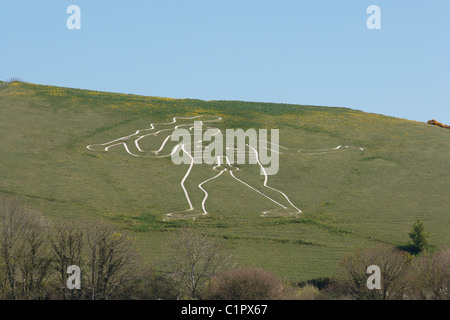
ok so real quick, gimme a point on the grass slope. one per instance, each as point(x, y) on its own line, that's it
point(349, 199)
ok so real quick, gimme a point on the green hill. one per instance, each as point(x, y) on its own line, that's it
point(349, 198)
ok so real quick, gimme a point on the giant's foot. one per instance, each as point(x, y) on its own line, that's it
point(185, 214)
point(282, 212)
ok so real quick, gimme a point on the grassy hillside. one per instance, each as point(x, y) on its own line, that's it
point(349, 198)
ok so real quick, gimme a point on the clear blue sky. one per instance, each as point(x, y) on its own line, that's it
point(303, 52)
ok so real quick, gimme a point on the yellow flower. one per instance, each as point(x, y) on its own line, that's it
point(116, 236)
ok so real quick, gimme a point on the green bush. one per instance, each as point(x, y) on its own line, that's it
point(418, 235)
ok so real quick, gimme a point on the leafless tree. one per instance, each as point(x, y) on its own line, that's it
point(24, 251)
point(34, 257)
point(351, 280)
point(430, 276)
point(194, 259)
point(67, 244)
point(111, 261)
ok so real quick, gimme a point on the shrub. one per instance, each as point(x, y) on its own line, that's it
point(308, 292)
point(247, 284)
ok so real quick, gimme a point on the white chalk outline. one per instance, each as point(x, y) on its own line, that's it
point(121, 141)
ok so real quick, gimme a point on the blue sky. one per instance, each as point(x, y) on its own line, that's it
point(301, 52)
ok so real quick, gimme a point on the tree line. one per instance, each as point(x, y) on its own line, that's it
point(35, 255)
